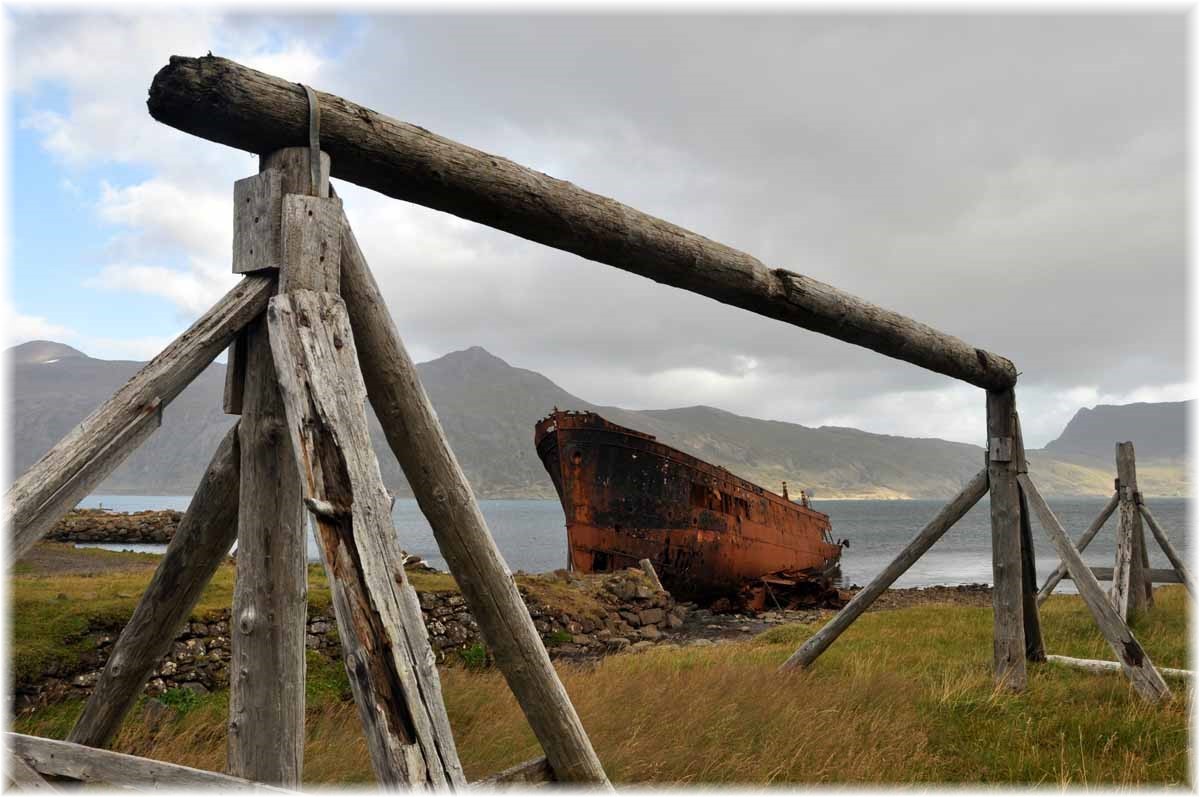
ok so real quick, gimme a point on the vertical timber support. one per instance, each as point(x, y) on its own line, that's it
point(1008, 630)
point(1035, 648)
point(1129, 576)
point(387, 652)
point(270, 602)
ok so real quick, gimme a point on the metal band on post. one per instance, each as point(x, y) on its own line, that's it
point(314, 140)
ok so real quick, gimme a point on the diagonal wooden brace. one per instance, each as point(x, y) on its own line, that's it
point(388, 657)
point(1134, 659)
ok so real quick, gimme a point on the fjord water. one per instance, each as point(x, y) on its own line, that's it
point(532, 536)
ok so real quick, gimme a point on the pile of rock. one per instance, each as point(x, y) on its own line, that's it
point(101, 525)
point(600, 615)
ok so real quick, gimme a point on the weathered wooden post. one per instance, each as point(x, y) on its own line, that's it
point(387, 652)
point(1129, 577)
point(1008, 630)
point(270, 603)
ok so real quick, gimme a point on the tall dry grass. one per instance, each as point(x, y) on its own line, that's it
point(905, 696)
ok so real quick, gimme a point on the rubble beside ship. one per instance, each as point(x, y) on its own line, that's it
point(712, 536)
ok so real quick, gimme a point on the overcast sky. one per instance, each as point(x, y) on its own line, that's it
point(1018, 181)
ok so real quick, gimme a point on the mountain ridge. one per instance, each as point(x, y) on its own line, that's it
point(488, 407)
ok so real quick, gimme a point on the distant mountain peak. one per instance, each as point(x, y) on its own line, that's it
point(42, 351)
point(474, 356)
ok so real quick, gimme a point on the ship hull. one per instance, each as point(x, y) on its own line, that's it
point(709, 534)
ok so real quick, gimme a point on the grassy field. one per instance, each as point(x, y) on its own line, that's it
point(904, 697)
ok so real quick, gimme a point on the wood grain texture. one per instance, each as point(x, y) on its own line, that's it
point(312, 243)
point(1008, 626)
point(223, 101)
point(1099, 666)
point(1164, 542)
point(25, 777)
point(201, 542)
point(388, 657)
point(257, 239)
point(1085, 539)
point(1128, 589)
point(163, 378)
point(1134, 659)
point(87, 478)
point(292, 164)
point(950, 514)
point(92, 765)
point(527, 774)
point(444, 496)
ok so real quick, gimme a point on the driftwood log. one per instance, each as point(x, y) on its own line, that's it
point(1084, 540)
point(161, 379)
point(1134, 659)
point(1035, 647)
point(416, 438)
point(1130, 590)
point(947, 517)
point(201, 542)
point(223, 101)
point(387, 652)
point(1099, 666)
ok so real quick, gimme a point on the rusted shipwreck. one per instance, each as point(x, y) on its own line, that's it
point(711, 535)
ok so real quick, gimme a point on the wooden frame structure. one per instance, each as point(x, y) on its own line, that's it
point(311, 341)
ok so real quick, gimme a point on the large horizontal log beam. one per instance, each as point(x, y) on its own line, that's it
point(225, 102)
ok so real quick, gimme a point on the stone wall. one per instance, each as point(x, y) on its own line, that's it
point(599, 615)
point(101, 525)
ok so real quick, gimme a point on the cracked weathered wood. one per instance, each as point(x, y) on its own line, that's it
point(1128, 589)
point(1164, 542)
point(162, 378)
point(93, 765)
point(950, 514)
point(1084, 540)
point(1008, 626)
point(270, 599)
point(235, 376)
point(312, 243)
point(387, 652)
point(444, 496)
point(1134, 659)
point(201, 542)
point(223, 101)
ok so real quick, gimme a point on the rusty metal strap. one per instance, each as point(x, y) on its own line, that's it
point(314, 140)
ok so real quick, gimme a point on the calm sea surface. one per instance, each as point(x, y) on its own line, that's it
point(532, 535)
